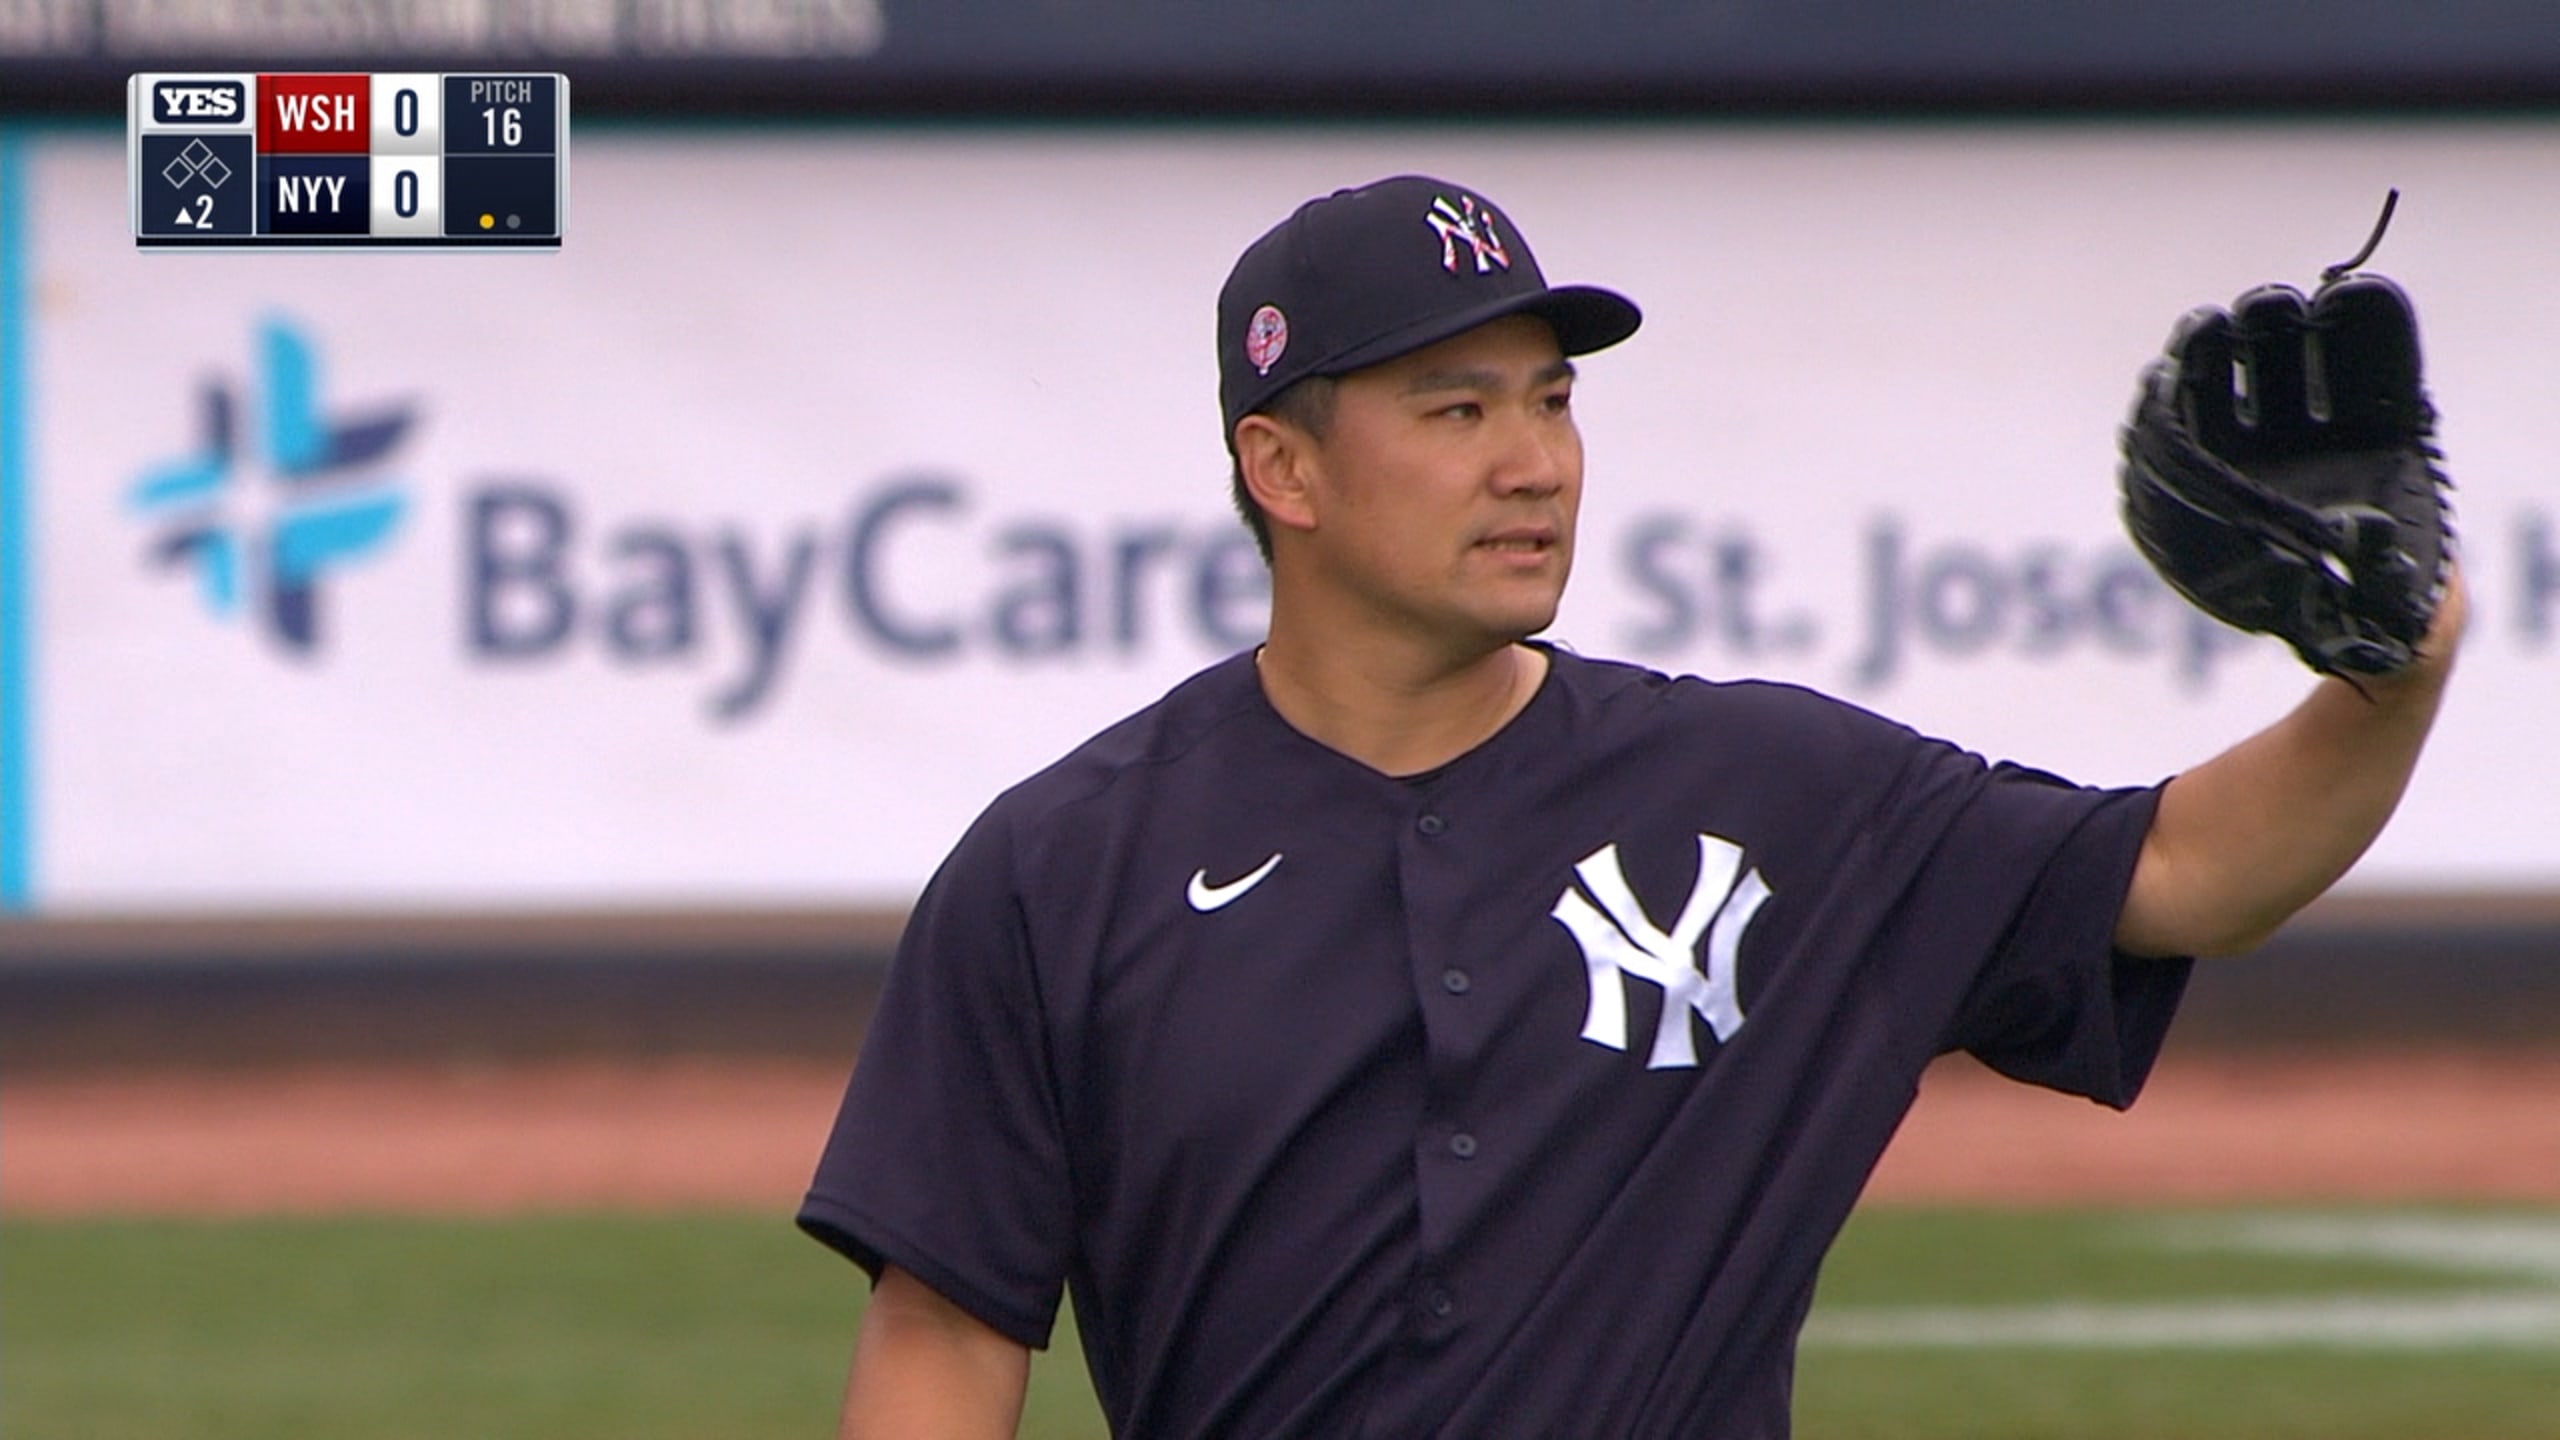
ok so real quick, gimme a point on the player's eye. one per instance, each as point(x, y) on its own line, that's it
point(1558, 403)
point(1463, 410)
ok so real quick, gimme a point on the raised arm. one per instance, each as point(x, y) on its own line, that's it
point(925, 1369)
point(2249, 837)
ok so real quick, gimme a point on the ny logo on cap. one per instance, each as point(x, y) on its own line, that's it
point(1453, 224)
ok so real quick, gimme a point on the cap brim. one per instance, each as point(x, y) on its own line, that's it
point(1585, 317)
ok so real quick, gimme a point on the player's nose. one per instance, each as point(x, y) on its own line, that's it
point(1539, 454)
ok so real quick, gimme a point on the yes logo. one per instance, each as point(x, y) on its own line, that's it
point(270, 512)
point(1620, 942)
point(174, 102)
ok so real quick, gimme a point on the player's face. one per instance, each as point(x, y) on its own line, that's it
point(1449, 480)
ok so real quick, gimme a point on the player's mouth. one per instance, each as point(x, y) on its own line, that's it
point(1521, 544)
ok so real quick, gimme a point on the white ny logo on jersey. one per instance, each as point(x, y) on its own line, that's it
point(1619, 939)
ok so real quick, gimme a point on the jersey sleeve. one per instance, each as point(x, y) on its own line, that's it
point(947, 1158)
point(2027, 875)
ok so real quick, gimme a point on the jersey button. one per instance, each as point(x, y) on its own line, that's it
point(1463, 1145)
point(1430, 824)
point(1456, 981)
point(1440, 1303)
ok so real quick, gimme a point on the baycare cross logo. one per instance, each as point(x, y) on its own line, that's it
point(262, 513)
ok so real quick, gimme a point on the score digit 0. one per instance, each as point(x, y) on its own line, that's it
point(408, 156)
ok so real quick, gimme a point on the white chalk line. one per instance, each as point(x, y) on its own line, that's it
point(2523, 1313)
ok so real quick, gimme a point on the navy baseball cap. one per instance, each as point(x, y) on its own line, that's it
point(1363, 276)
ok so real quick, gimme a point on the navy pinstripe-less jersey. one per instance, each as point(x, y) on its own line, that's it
point(1521, 1100)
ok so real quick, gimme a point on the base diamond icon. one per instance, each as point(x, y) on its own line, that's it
point(196, 162)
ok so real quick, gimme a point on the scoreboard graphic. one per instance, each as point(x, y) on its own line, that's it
point(348, 162)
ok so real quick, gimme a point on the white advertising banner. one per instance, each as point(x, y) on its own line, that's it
point(828, 481)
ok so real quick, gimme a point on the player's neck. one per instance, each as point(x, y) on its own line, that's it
point(1396, 711)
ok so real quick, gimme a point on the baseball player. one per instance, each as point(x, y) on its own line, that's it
point(1409, 1028)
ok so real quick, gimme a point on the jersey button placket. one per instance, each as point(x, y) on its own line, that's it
point(1456, 982)
point(1445, 1150)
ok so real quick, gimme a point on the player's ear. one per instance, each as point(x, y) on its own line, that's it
point(1277, 461)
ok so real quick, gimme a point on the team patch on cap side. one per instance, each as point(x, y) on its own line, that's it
point(1463, 221)
point(1265, 337)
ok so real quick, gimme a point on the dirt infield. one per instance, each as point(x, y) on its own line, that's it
point(730, 1134)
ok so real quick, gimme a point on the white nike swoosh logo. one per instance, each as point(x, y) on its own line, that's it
point(1206, 897)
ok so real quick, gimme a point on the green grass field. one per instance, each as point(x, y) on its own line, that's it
point(2237, 1326)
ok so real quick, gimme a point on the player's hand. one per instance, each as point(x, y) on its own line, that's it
point(2433, 663)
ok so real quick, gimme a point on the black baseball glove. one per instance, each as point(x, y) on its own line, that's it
point(2280, 471)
